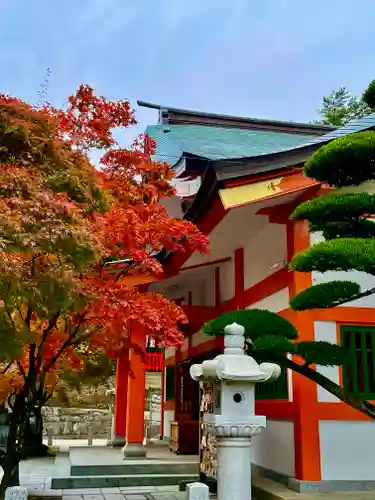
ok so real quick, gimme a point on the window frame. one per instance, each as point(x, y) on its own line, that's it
point(347, 340)
point(274, 391)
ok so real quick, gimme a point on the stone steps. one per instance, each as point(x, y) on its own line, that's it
point(129, 469)
point(115, 481)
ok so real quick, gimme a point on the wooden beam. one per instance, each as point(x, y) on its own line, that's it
point(205, 264)
point(280, 214)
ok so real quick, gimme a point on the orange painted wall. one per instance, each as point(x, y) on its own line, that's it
point(305, 411)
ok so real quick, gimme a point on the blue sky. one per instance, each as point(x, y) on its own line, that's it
point(258, 58)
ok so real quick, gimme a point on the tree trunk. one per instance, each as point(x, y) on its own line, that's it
point(364, 407)
point(11, 457)
point(10, 465)
point(33, 446)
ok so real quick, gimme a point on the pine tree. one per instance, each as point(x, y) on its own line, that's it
point(344, 219)
point(339, 107)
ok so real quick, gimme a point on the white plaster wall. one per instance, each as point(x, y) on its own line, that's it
point(273, 449)
point(170, 352)
point(199, 338)
point(227, 280)
point(201, 284)
point(168, 418)
point(274, 303)
point(210, 288)
point(263, 252)
point(185, 345)
point(199, 294)
point(326, 331)
point(173, 206)
point(347, 450)
point(365, 280)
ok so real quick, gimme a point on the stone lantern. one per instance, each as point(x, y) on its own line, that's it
point(234, 421)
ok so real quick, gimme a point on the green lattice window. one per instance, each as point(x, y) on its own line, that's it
point(359, 371)
point(273, 390)
point(169, 383)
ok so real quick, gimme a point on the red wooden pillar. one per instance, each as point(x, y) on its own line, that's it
point(135, 432)
point(121, 398)
point(306, 421)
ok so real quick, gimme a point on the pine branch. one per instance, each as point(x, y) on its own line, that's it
point(362, 406)
point(360, 295)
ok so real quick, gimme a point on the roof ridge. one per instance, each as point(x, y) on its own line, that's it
point(244, 119)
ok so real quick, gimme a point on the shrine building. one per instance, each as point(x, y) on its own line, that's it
point(238, 180)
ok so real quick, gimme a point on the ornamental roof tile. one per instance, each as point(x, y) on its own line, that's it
point(219, 143)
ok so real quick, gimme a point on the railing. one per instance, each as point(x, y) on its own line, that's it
point(154, 361)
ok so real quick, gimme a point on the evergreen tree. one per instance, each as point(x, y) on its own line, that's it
point(339, 107)
point(344, 219)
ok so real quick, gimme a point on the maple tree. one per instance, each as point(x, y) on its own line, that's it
point(61, 219)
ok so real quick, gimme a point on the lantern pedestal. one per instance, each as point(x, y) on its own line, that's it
point(234, 468)
point(234, 455)
point(234, 376)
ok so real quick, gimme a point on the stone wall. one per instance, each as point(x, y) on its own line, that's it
point(86, 397)
point(72, 412)
point(73, 423)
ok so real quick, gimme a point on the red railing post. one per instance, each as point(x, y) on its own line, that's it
point(154, 361)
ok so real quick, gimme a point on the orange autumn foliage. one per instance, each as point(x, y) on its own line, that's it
point(61, 219)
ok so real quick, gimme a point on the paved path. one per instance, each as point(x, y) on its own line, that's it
point(140, 493)
point(36, 475)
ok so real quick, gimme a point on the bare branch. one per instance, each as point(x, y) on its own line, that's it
point(20, 367)
point(7, 368)
point(28, 317)
point(124, 271)
point(51, 325)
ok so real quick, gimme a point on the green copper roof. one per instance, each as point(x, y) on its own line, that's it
point(219, 143)
point(364, 123)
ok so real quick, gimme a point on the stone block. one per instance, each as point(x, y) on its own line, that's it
point(135, 497)
point(16, 493)
point(52, 493)
point(82, 491)
point(135, 490)
point(197, 491)
point(113, 496)
point(167, 488)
